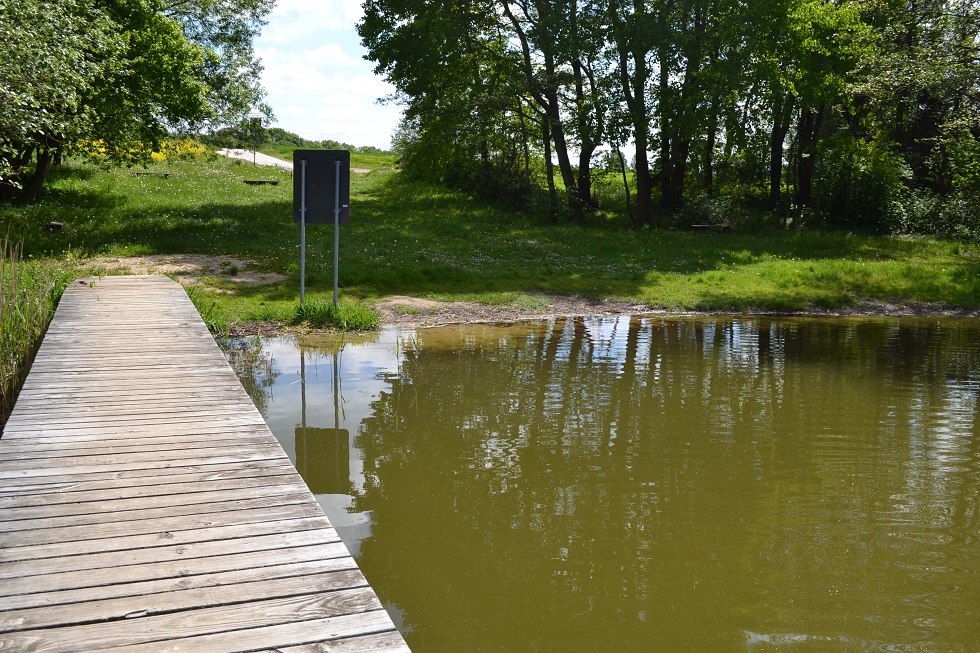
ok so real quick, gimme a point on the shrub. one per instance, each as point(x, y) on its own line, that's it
point(184, 149)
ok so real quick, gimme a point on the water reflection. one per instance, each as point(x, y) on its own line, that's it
point(651, 484)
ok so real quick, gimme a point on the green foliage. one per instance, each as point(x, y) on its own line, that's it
point(46, 79)
point(181, 149)
point(861, 186)
point(801, 101)
point(76, 72)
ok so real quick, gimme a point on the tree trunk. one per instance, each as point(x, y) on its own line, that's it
point(32, 187)
point(782, 112)
point(558, 137)
point(634, 86)
point(807, 136)
point(549, 169)
point(665, 128)
point(587, 142)
point(708, 180)
point(644, 184)
point(626, 185)
point(679, 151)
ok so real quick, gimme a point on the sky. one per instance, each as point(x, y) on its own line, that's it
point(318, 83)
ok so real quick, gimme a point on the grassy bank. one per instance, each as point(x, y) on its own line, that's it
point(415, 239)
point(29, 292)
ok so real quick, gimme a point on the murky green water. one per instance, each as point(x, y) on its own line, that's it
point(617, 484)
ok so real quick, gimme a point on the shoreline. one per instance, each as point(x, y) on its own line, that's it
point(417, 313)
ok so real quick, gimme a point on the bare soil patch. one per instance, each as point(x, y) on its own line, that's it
point(188, 269)
point(417, 312)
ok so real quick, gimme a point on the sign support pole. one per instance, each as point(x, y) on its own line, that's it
point(336, 230)
point(302, 234)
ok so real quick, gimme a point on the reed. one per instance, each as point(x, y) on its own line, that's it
point(29, 293)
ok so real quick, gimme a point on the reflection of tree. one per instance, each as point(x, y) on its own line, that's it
point(619, 482)
point(254, 368)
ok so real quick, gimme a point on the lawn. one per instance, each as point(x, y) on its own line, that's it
point(409, 238)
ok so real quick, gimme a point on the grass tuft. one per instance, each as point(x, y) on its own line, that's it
point(211, 313)
point(345, 315)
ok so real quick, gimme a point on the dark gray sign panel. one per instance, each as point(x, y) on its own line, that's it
point(321, 185)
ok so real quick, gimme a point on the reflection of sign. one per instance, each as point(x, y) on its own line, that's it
point(323, 459)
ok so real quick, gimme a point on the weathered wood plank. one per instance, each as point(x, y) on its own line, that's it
point(84, 570)
point(77, 548)
point(52, 497)
point(191, 623)
point(389, 642)
point(326, 630)
point(98, 511)
point(145, 605)
point(198, 581)
point(146, 476)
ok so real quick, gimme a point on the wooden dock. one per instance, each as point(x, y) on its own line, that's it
point(145, 505)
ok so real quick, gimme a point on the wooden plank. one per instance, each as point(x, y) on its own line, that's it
point(146, 476)
point(229, 456)
point(128, 522)
point(51, 497)
point(192, 623)
point(162, 527)
point(144, 504)
point(328, 630)
point(145, 605)
point(77, 548)
point(79, 571)
point(388, 642)
point(144, 507)
point(197, 581)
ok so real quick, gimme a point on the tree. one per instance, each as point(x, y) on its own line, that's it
point(465, 121)
point(47, 74)
point(114, 75)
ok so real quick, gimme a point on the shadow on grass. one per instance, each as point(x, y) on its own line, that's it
point(412, 238)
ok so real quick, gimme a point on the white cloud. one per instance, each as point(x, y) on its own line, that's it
point(317, 80)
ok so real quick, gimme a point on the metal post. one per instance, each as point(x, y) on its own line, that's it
point(336, 230)
point(302, 233)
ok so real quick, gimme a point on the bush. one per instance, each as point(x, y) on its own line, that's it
point(860, 185)
point(184, 149)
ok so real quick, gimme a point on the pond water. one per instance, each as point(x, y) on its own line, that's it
point(649, 484)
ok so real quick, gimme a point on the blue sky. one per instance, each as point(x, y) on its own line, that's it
point(318, 83)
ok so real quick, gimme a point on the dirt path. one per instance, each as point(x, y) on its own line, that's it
point(266, 160)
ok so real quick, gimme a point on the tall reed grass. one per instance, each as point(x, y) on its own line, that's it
point(29, 293)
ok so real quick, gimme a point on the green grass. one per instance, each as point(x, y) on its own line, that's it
point(415, 239)
point(29, 292)
point(344, 315)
